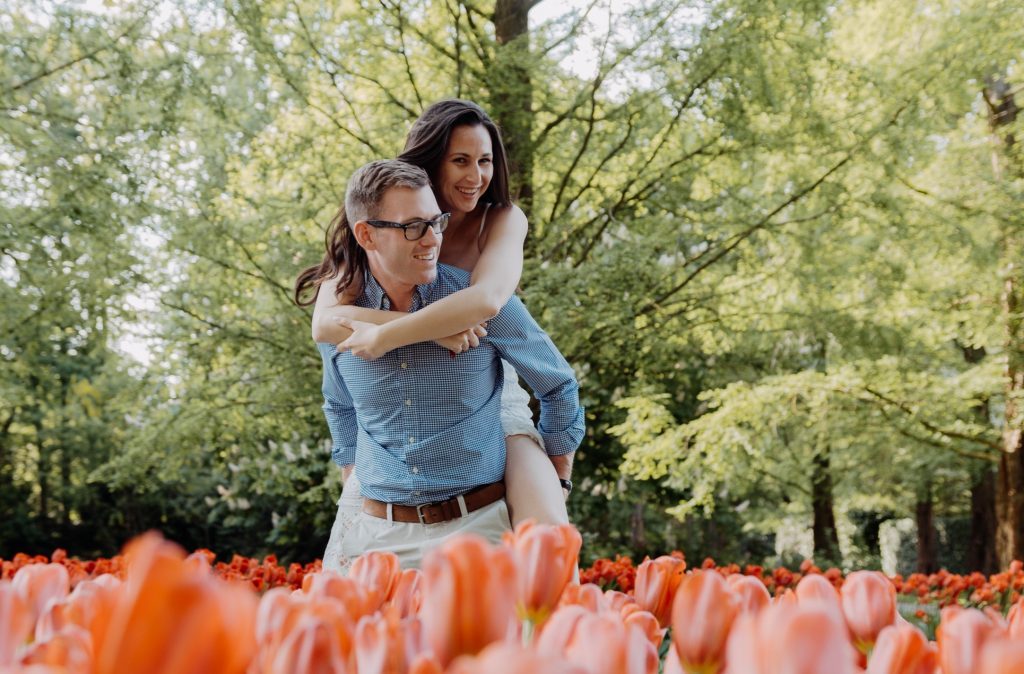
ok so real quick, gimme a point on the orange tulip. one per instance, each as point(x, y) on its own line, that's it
point(702, 614)
point(546, 558)
point(70, 648)
point(600, 642)
point(1003, 656)
point(903, 649)
point(588, 595)
point(816, 587)
point(311, 648)
point(1015, 618)
point(657, 581)
point(356, 598)
point(512, 659)
point(791, 638)
point(469, 596)
point(868, 602)
point(648, 624)
point(168, 618)
point(750, 592)
point(16, 621)
point(387, 644)
point(408, 593)
point(378, 573)
point(961, 636)
point(40, 584)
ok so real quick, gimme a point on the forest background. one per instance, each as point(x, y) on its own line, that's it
point(781, 241)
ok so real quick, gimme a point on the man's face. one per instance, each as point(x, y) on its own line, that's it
point(395, 261)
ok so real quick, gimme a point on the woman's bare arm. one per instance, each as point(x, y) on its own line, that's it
point(334, 319)
point(494, 280)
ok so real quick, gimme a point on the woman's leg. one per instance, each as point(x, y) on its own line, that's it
point(532, 490)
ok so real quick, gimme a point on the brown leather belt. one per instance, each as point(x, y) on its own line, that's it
point(442, 511)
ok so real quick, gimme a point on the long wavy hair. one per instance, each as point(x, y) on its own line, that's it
point(425, 147)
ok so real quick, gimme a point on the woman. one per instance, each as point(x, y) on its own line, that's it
point(460, 148)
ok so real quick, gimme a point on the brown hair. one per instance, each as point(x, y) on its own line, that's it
point(428, 138)
point(366, 190)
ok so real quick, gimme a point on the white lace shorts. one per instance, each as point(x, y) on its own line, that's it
point(516, 419)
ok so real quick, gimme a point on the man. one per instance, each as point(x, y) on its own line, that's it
point(422, 427)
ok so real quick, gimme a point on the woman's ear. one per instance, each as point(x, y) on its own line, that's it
point(364, 235)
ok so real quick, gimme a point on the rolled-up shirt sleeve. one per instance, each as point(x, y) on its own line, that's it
point(338, 409)
point(520, 341)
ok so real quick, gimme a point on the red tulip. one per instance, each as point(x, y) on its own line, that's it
point(657, 581)
point(469, 596)
point(546, 559)
point(750, 592)
point(961, 635)
point(791, 639)
point(903, 649)
point(702, 614)
point(868, 601)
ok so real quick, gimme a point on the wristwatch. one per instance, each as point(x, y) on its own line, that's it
point(566, 485)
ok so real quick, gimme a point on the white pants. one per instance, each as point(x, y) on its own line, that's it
point(411, 541)
point(516, 419)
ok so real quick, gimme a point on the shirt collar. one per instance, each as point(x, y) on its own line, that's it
point(378, 299)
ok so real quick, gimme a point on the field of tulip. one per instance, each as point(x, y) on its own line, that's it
point(477, 607)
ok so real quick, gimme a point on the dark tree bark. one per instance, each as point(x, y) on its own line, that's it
point(826, 538)
point(927, 536)
point(981, 549)
point(512, 94)
point(637, 529)
point(1010, 476)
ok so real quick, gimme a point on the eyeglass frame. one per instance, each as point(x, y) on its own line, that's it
point(438, 224)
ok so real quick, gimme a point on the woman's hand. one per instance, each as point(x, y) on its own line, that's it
point(365, 340)
point(463, 341)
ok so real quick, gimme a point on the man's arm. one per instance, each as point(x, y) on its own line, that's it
point(519, 340)
point(339, 411)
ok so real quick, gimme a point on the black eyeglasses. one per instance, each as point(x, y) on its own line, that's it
point(416, 230)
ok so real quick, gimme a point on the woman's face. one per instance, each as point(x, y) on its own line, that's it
point(466, 169)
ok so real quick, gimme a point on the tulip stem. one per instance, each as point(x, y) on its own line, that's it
point(527, 632)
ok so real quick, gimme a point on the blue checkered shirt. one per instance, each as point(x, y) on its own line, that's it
point(421, 426)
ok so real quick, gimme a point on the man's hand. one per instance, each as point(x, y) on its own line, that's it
point(365, 340)
point(463, 341)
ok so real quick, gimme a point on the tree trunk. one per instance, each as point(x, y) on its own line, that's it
point(637, 530)
point(512, 94)
point(826, 539)
point(1010, 477)
point(927, 536)
point(981, 551)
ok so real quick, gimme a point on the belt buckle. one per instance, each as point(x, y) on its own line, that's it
point(419, 511)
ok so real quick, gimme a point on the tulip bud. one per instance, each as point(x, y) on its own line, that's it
point(657, 581)
point(903, 649)
point(868, 601)
point(961, 635)
point(546, 559)
point(702, 615)
point(751, 594)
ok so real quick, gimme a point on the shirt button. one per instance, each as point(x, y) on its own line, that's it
point(412, 439)
point(408, 403)
point(415, 469)
point(404, 365)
